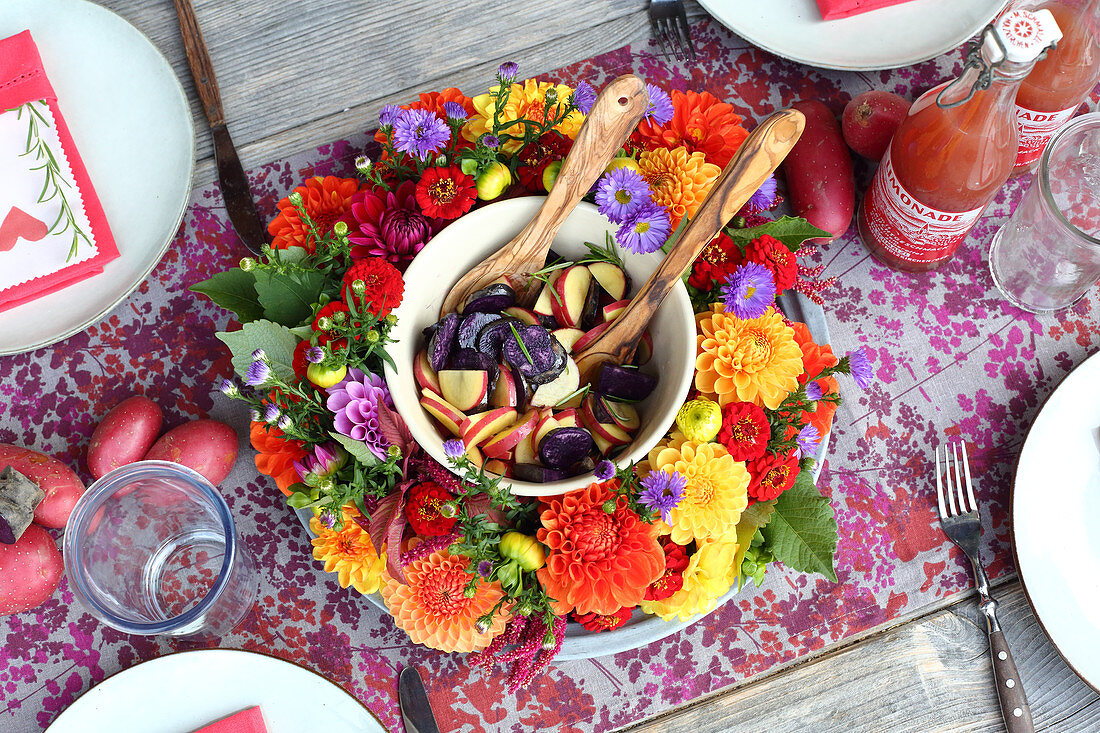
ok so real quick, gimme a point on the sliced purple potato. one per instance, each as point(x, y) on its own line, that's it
point(564, 447)
point(534, 354)
point(492, 335)
point(471, 326)
point(474, 359)
point(442, 341)
point(553, 258)
point(537, 474)
point(599, 409)
point(591, 306)
point(624, 384)
point(523, 390)
point(491, 299)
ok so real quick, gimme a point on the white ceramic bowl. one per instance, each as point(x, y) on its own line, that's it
point(472, 238)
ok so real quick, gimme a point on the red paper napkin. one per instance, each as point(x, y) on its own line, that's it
point(834, 9)
point(42, 210)
point(246, 721)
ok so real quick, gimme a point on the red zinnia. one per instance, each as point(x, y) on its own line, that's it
point(774, 255)
point(383, 285)
point(423, 510)
point(676, 561)
point(772, 475)
point(717, 262)
point(604, 621)
point(331, 336)
point(445, 193)
point(298, 361)
point(745, 430)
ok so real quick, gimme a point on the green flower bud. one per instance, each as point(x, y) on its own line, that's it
point(339, 317)
point(295, 199)
point(523, 609)
point(551, 96)
point(492, 181)
point(548, 641)
point(363, 165)
point(609, 506)
point(325, 377)
point(441, 160)
point(484, 624)
point(372, 336)
point(448, 509)
point(738, 222)
point(509, 576)
point(324, 323)
point(468, 166)
point(393, 452)
point(248, 264)
point(358, 287)
point(340, 228)
point(391, 320)
point(470, 591)
point(523, 549)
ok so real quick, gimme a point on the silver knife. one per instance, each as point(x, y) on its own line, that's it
point(413, 699)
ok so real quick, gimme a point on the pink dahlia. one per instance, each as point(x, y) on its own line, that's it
point(388, 224)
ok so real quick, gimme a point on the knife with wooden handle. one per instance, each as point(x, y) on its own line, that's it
point(234, 183)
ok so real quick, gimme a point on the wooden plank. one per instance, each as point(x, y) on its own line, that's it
point(933, 674)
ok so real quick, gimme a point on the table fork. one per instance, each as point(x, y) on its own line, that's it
point(962, 525)
point(669, 22)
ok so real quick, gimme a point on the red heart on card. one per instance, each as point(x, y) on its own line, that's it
point(19, 224)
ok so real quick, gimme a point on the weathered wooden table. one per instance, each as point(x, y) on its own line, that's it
point(281, 94)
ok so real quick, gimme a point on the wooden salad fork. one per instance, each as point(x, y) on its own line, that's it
point(617, 111)
point(755, 160)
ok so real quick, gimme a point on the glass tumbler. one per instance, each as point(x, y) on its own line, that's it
point(1047, 255)
point(151, 548)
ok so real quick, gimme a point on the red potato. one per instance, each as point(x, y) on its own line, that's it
point(29, 571)
point(819, 172)
point(870, 120)
point(206, 446)
point(124, 435)
point(63, 487)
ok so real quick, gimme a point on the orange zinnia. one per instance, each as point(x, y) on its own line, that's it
point(678, 179)
point(276, 454)
point(814, 359)
point(702, 123)
point(325, 200)
point(596, 562)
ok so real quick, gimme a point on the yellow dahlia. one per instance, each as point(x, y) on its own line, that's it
point(679, 180)
point(432, 608)
point(526, 100)
point(716, 492)
point(349, 553)
point(755, 360)
point(706, 579)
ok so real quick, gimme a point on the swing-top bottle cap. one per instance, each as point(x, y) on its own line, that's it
point(1023, 36)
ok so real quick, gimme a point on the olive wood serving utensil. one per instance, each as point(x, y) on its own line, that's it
point(756, 159)
point(616, 112)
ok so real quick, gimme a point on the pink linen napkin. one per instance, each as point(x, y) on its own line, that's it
point(250, 720)
point(46, 197)
point(834, 9)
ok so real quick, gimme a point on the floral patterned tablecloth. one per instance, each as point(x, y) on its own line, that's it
point(952, 359)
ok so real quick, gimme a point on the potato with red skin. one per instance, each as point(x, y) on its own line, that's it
point(63, 487)
point(29, 571)
point(870, 120)
point(819, 172)
point(208, 447)
point(124, 435)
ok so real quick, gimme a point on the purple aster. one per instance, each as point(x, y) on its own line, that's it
point(484, 568)
point(764, 198)
point(454, 449)
point(507, 71)
point(620, 193)
point(660, 105)
point(259, 355)
point(271, 413)
point(749, 291)
point(285, 423)
point(661, 491)
point(254, 415)
point(354, 403)
point(646, 230)
point(315, 355)
point(584, 96)
point(419, 132)
point(813, 391)
point(860, 364)
point(258, 374)
point(490, 141)
point(454, 111)
point(808, 440)
point(327, 519)
point(229, 389)
point(605, 470)
point(389, 114)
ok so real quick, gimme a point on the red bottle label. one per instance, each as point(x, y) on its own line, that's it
point(1036, 129)
point(907, 228)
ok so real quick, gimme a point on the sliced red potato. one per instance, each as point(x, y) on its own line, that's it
point(614, 310)
point(602, 445)
point(475, 456)
point(526, 315)
point(449, 416)
point(464, 388)
point(610, 277)
point(480, 427)
point(568, 418)
point(644, 352)
point(544, 304)
point(424, 374)
point(525, 450)
point(504, 391)
point(499, 467)
point(589, 336)
point(556, 390)
point(572, 290)
point(545, 426)
point(505, 441)
point(623, 414)
point(567, 337)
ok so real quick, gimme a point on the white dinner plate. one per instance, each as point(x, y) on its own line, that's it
point(880, 39)
point(182, 692)
point(131, 123)
point(1056, 519)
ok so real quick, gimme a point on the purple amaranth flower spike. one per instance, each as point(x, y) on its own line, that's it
point(605, 470)
point(662, 491)
point(454, 111)
point(507, 71)
point(420, 133)
point(620, 193)
point(584, 96)
point(813, 391)
point(646, 230)
point(454, 449)
point(389, 115)
point(354, 403)
point(862, 371)
point(749, 291)
point(660, 105)
point(258, 374)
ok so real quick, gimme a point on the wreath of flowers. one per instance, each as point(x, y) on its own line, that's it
point(462, 564)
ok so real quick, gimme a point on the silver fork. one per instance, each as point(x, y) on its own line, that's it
point(963, 526)
point(669, 22)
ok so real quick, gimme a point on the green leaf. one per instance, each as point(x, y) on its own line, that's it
point(358, 450)
point(288, 298)
point(802, 531)
point(234, 290)
point(752, 519)
point(276, 340)
point(790, 230)
point(293, 255)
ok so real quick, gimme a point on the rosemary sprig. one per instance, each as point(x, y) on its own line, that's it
point(522, 346)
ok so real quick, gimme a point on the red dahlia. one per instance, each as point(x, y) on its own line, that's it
point(604, 621)
point(445, 193)
point(424, 510)
point(383, 285)
point(717, 262)
point(772, 475)
point(676, 561)
point(745, 430)
point(774, 255)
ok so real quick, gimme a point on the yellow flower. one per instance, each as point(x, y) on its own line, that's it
point(716, 491)
point(527, 100)
point(679, 180)
point(349, 553)
point(700, 420)
point(756, 360)
point(706, 579)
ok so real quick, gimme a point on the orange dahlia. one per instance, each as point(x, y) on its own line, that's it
point(814, 359)
point(432, 607)
point(679, 180)
point(349, 553)
point(596, 562)
point(755, 360)
point(526, 100)
point(325, 200)
point(275, 454)
point(701, 123)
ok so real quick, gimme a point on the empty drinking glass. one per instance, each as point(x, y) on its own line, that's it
point(1047, 255)
point(152, 549)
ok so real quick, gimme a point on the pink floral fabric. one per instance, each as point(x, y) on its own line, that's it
point(951, 360)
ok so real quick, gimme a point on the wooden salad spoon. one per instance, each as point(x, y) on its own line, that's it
point(755, 160)
point(615, 114)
